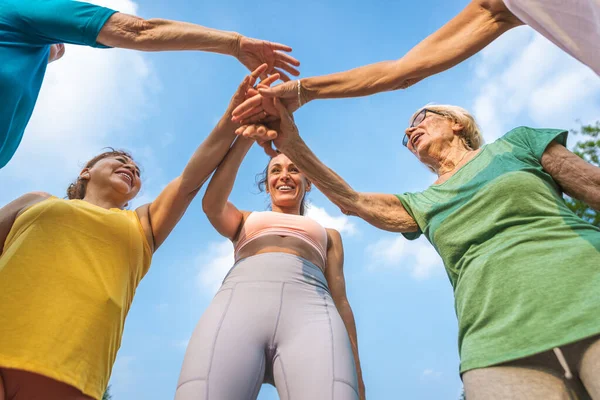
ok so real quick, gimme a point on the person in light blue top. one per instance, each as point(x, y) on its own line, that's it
point(33, 33)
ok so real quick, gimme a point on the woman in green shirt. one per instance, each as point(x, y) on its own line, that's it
point(524, 268)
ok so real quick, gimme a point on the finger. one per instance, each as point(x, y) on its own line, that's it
point(253, 115)
point(284, 76)
point(279, 46)
point(279, 56)
point(254, 118)
point(268, 147)
point(287, 67)
point(285, 90)
point(269, 80)
point(271, 134)
point(249, 104)
point(254, 75)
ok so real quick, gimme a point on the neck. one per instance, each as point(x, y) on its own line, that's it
point(449, 158)
point(286, 210)
point(102, 200)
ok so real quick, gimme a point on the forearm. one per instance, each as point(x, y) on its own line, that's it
point(325, 179)
point(475, 27)
point(208, 155)
point(348, 318)
point(132, 32)
point(221, 184)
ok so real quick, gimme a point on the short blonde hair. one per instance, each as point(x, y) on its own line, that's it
point(471, 134)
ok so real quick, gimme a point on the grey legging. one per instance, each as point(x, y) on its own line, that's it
point(272, 321)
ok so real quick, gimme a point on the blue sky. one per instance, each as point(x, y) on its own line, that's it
point(161, 106)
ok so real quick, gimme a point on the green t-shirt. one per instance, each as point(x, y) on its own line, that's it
point(524, 268)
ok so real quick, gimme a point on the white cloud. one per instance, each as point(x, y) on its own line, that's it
point(90, 99)
point(418, 257)
point(340, 223)
point(522, 78)
point(430, 374)
point(213, 265)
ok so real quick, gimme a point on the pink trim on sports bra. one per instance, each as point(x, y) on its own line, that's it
point(263, 223)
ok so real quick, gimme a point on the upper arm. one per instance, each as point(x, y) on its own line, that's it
point(10, 212)
point(385, 211)
point(227, 221)
point(160, 217)
point(334, 270)
point(58, 21)
point(578, 178)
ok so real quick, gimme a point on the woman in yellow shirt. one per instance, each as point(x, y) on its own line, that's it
point(69, 268)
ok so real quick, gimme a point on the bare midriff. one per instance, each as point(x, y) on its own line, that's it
point(282, 244)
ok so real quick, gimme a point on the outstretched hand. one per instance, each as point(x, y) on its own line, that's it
point(254, 52)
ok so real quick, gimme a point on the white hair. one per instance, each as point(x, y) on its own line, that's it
point(471, 134)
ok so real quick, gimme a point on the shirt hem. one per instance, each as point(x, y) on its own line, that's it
point(49, 373)
point(489, 362)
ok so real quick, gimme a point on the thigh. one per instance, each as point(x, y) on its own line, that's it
point(225, 358)
point(589, 369)
point(314, 359)
point(515, 383)
point(23, 385)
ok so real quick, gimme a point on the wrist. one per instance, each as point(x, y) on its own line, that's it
point(308, 91)
point(235, 44)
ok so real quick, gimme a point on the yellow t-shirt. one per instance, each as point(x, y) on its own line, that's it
point(68, 274)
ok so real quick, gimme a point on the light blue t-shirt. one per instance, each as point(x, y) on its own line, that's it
point(27, 29)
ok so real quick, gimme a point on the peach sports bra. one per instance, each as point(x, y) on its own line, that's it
point(263, 223)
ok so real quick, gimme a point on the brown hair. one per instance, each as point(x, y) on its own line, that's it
point(76, 190)
point(261, 182)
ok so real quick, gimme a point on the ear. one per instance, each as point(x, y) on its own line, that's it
point(308, 186)
point(457, 128)
point(84, 174)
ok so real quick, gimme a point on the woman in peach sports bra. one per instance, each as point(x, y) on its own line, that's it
point(281, 315)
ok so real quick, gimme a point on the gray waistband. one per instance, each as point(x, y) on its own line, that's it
point(276, 267)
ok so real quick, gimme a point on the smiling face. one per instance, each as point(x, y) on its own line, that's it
point(432, 135)
point(115, 174)
point(286, 185)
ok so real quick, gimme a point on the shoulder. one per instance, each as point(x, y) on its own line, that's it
point(334, 238)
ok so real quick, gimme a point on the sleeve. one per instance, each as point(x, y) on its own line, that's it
point(46, 22)
point(535, 141)
point(408, 200)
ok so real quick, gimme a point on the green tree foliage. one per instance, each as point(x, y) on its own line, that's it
point(107, 395)
point(589, 150)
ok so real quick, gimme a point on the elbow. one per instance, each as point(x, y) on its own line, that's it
point(208, 206)
point(139, 31)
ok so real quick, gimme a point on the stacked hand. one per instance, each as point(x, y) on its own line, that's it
point(279, 132)
point(246, 87)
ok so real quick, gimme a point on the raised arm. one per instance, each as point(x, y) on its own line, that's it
point(43, 22)
point(160, 217)
point(578, 178)
point(384, 211)
point(10, 212)
point(334, 273)
point(222, 214)
point(130, 32)
point(476, 26)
